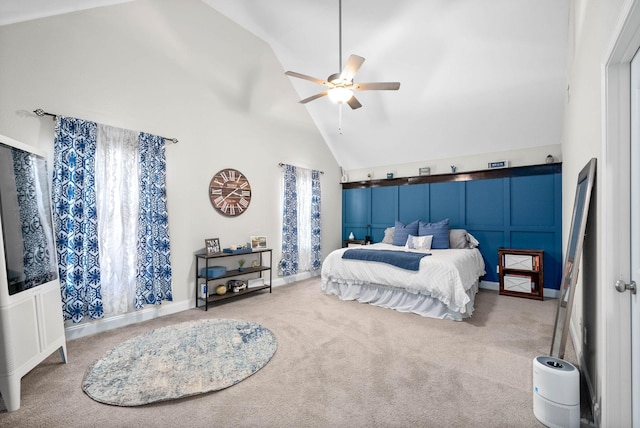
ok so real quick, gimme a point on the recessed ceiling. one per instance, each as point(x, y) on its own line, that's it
point(476, 76)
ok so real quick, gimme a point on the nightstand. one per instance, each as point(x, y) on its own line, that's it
point(353, 243)
point(521, 273)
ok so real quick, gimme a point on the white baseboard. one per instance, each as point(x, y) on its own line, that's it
point(548, 292)
point(75, 331)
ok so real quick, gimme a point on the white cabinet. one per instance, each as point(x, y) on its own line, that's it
point(31, 329)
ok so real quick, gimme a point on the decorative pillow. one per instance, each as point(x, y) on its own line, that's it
point(388, 235)
point(473, 242)
point(419, 242)
point(440, 232)
point(458, 238)
point(402, 232)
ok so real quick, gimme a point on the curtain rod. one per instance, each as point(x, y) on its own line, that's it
point(41, 113)
point(282, 164)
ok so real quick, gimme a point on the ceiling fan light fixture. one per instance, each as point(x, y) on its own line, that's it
point(340, 94)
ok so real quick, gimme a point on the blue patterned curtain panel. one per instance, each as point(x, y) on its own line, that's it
point(289, 263)
point(74, 214)
point(154, 265)
point(77, 219)
point(316, 247)
point(301, 227)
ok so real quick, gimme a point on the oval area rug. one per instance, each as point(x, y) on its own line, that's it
point(179, 361)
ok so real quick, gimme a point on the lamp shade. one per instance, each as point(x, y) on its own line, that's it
point(340, 94)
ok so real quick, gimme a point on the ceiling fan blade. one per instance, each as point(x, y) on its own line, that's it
point(377, 86)
point(351, 68)
point(305, 77)
point(314, 97)
point(354, 103)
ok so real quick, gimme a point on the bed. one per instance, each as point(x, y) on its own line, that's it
point(444, 286)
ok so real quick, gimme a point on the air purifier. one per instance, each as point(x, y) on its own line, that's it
point(556, 392)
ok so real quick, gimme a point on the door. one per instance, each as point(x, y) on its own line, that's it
point(635, 238)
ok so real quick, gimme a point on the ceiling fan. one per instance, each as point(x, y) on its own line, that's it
point(340, 86)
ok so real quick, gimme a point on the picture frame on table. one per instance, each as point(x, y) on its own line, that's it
point(212, 246)
point(258, 242)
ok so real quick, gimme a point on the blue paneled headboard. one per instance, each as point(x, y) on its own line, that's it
point(512, 208)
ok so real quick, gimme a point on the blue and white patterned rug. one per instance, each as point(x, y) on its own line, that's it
point(179, 361)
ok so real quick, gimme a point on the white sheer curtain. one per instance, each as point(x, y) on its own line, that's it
point(117, 207)
point(304, 219)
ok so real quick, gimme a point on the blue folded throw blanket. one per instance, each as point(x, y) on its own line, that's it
point(402, 259)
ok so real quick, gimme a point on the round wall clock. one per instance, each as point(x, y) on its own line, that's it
point(230, 192)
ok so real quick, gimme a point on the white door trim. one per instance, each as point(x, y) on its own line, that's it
point(614, 323)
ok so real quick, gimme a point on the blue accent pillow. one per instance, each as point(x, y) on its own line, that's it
point(402, 232)
point(440, 232)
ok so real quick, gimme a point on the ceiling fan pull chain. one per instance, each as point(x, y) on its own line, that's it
point(340, 118)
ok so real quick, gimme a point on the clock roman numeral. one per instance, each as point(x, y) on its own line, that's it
point(239, 177)
point(216, 191)
point(218, 200)
point(224, 176)
point(244, 184)
point(218, 183)
point(243, 202)
point(246, 193)
point(225, 207)
point(232, 209)
point(232, 175)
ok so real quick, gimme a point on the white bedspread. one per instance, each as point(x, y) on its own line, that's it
point(445, 275)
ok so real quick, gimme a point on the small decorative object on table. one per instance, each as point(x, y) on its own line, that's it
point(236, 285)
point(212, 245)
point(454, 169)
point(241, 263)
point(237, 249)
point(259, 242)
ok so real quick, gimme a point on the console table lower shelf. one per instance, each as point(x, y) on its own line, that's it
point(257, 271)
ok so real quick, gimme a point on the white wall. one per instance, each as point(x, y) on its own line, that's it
point(592, 26)
point(519, 157)
point(176, 68)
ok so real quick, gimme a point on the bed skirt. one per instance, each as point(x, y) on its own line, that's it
point(399, 299)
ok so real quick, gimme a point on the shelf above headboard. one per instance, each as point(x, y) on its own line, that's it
point(520, 171)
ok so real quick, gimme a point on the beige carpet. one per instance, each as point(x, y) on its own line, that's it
point(338, 364)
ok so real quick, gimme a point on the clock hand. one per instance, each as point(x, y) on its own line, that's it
point(232, 193)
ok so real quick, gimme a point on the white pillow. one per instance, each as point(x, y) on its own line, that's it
point(422, 243)
point(473, 242)
point(388, 235)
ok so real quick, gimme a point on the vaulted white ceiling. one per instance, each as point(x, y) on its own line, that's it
point(476, 76)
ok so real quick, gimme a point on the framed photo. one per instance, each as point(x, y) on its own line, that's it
point(212, 245)
point(258, 242)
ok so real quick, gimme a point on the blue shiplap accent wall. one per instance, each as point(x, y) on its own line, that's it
point(522, 211)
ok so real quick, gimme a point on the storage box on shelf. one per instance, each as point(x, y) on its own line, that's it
point(207, 273)
point(521, 273)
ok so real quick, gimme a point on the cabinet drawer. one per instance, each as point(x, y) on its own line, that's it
point(520, 261)
point(519, 283)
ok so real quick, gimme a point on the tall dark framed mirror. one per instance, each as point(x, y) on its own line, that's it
point(572, 258)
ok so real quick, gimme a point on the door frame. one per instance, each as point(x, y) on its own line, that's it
point(614, 317)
